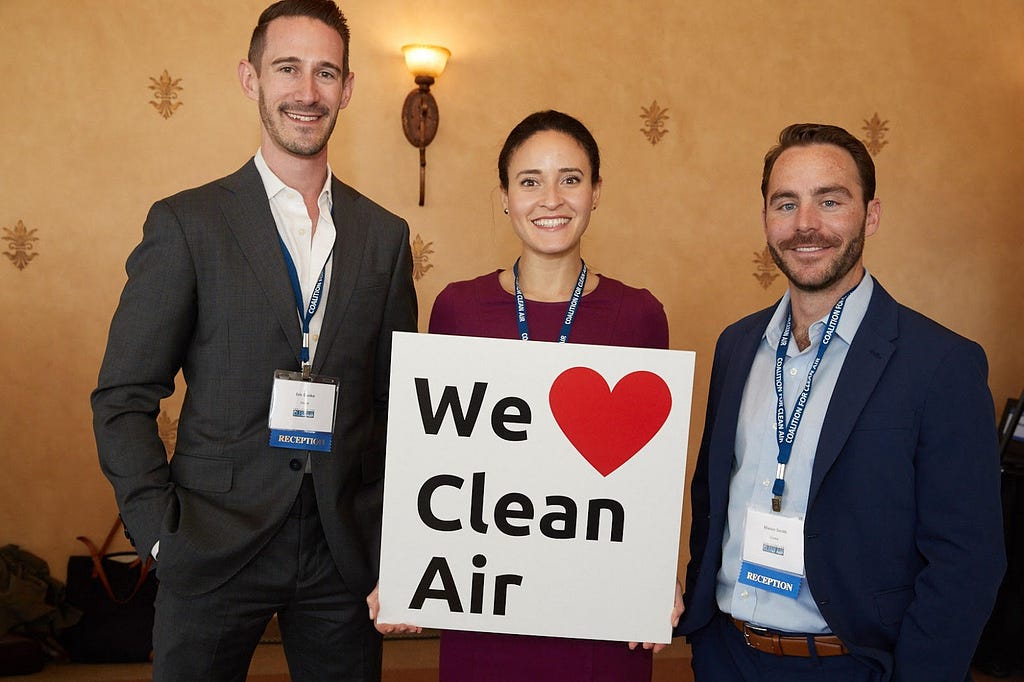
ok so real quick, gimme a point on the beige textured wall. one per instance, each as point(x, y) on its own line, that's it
point(85, 154)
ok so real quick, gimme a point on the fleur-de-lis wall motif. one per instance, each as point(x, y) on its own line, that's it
point(766, 269)
point(876, 129)
point(20, 247)
point(654, 122)
point(166, 91)
point(421, 257)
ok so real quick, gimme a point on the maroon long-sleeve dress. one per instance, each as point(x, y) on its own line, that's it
point(613, 314)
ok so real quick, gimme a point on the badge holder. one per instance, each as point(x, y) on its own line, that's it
point(302, 411)
point(773, 553)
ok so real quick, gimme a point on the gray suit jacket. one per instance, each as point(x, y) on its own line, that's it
point(208, 293)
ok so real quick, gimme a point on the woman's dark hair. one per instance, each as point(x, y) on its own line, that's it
point(549, 120)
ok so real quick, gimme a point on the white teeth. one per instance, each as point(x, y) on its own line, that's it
point(808, 248)
point(300, 117)
point(550, 222)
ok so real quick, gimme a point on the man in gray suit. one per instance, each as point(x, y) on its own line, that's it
point(275, 291)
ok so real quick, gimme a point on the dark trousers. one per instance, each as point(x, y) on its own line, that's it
point(720, 654)
point(325, 629)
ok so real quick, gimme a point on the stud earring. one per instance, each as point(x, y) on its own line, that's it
point(506, 211)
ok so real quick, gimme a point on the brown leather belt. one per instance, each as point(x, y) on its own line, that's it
point(770, 642)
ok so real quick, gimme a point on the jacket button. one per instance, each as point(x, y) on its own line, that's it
point(295, 465)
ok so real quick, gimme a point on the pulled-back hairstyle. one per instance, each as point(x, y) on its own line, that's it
point(321, 10)
point(549, 120)
point(804, 134)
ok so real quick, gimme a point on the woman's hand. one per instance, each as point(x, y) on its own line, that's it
point(373, 602)
point(677, 612)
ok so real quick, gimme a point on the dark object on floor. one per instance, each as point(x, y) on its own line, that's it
point(32, 602)
point(115, 592)
point(20, 655)
point(999, 652)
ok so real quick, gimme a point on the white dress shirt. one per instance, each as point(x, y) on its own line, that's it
point(308, 248)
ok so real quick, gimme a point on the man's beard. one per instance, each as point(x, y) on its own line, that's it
point(300, 145)
point(836, 270)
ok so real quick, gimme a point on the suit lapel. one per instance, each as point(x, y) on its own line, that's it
point(727, 419)
point(253, 226)
point(865, 362)
point(349, 243)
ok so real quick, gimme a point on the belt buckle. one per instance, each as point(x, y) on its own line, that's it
point(748, 628)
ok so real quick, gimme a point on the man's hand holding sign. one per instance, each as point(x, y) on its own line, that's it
point(534, 488)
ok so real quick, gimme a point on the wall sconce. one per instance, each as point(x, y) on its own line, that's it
point(419, 113)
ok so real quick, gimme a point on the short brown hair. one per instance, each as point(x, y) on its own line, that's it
point(321, 10)
point(804, 134)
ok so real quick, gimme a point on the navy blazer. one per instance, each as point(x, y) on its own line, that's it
point(208, 293)
point(903, 533)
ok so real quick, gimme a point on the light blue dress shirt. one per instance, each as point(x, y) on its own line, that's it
point(757, 451)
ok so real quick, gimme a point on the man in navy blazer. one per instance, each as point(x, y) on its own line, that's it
point(846, 516)
point(277, 267)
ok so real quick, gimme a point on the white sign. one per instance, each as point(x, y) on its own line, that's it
point(534, 488)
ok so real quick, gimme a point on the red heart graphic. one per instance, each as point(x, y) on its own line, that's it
point(607, 426)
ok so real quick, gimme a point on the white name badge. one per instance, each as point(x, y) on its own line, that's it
point(302, 411)
point(773, 552)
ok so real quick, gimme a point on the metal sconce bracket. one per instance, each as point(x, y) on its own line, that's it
point(419, 122)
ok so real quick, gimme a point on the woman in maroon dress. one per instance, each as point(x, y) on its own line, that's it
point(549, 170)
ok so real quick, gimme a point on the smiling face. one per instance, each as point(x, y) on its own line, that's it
point(815, 218)
point(551, 193)
point(299, 85)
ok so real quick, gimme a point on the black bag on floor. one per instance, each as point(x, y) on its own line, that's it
point(115, 592)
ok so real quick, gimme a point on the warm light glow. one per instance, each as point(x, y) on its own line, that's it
point(426, 60)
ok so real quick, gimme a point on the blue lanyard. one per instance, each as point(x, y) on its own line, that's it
point(306, 312)
point(786, 433)
point(570, 312)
